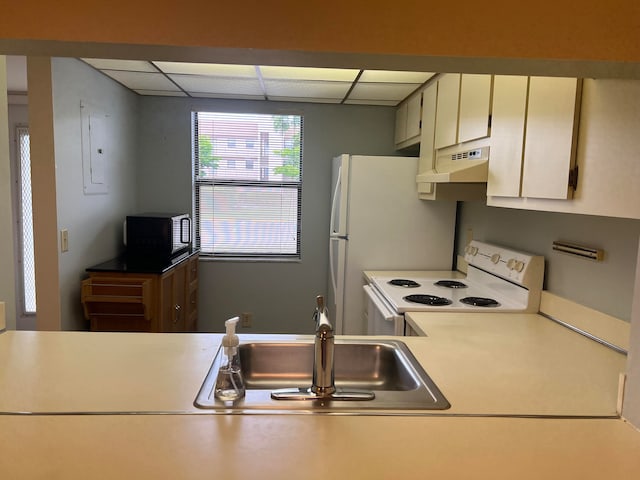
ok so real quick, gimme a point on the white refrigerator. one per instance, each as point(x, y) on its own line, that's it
point(378, 223)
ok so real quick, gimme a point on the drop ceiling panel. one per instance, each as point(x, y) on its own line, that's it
point(382, 103)
point(142, 80)
point(161, 93)
point(308, 73)
point(125, 65)
point(311, 89)
point(382, 91)
point(278, 83)
point(388, 76)
point(213, 69)
point(305, 99)
point(222, 85)
point(230, 96)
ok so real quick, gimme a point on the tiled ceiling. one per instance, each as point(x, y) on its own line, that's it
point(253, 82)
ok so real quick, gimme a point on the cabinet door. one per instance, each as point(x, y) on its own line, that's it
point(427, 133)
point(172, 299)
point(401, 122)
point(447, 110)
point(191, 315)
point(414, 112)
point(551, 135)
point(475, 104)
point(507, 135)
point(179, 293)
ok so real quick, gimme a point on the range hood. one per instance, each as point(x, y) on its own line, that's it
point(458, 166)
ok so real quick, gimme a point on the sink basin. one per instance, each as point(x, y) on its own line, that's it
point(386, 368)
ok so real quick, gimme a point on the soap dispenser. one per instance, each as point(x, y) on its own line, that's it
point(229, 383)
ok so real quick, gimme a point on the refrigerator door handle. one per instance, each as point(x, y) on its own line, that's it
point(337, 236)
point(334, 281)
point(334, 200)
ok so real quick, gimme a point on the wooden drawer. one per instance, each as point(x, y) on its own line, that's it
point(118, 303)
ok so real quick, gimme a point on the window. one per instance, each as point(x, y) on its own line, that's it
point(25, 240)
point(246, 211)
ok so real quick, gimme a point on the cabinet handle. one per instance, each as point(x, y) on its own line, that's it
point(177, 315)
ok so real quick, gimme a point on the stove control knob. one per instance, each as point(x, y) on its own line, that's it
point(470, 250)
point(495, 258)
point(519, 266)
point(511, 264)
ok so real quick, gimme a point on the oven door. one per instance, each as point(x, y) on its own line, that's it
point(381, 318)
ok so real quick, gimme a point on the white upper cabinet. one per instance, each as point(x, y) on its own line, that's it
point(507, 135)
point(447, 110)
point(551, 137)
point(427, 132)
point(401, 123)
point(475, 107)
point(408, 116)
point(463, 108)
point(606, 154)
point(533, 136)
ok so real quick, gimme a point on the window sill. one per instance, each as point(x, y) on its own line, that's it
point(207, 258)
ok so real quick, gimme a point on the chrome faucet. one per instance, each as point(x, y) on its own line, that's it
point(323, 384)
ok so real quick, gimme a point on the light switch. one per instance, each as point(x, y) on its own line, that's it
point(64, 240)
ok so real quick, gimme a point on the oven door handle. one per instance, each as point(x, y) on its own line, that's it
point(388, 314)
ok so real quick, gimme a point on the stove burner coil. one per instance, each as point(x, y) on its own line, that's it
point(480, 302)
point(428, 300)
point(450, 284)
point(401, 282)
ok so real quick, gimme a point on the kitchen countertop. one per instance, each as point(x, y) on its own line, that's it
point(316, 447)
point(138, 264)
point(65, 372)
point(516, 364)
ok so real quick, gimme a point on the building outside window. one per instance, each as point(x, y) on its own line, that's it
point(240, 210)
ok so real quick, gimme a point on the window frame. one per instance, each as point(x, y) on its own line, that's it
point(198, 182)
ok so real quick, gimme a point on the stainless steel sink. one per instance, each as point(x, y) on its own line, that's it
point(385, 367)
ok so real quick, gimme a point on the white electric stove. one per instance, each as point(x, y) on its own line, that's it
point(498, 280)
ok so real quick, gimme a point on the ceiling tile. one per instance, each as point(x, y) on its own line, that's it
point(312, 89)
point(161, 93)
point(230, 96)
point(388, 76)
point(382, 91)
point(142, 80)
point(309, 73)
point(126, 65)
point(215, 69)
point(221, 85)
point(305, 99)
point(382, 103)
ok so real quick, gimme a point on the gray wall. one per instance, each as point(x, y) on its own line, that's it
point(606, 286)
point(94, 222)
point(7, 270)
point(280, 295)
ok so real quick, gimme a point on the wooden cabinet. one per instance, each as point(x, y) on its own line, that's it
point(447, 110)
point(143, 302)
point(408, 117)
point(533, 136)
point(463, 109)
point(455, 109)
point(427, 133)
point(475, 107)
point(605, 156)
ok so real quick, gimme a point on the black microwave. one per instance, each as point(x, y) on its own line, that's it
point(157, 235)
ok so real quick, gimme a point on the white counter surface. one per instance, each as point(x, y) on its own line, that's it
point(482, 367)
point(485, 364)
